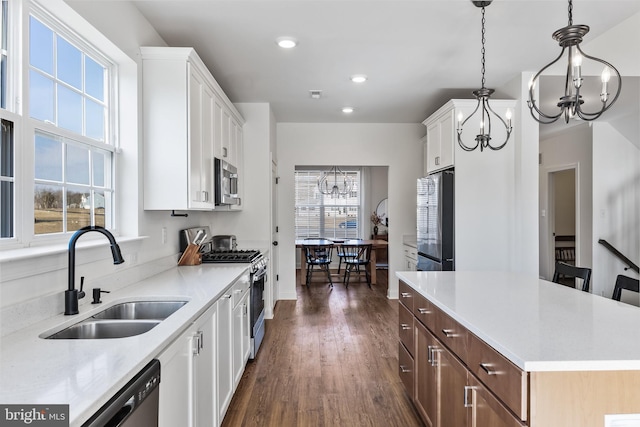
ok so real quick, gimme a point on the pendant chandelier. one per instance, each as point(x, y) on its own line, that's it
point(571, 102)
point(483, 138)
point(332, 189)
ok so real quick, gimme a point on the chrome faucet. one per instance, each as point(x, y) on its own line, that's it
point(72, 295)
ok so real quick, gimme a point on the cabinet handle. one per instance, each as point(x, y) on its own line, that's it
point(404, 369)
point(405, 326)
point(196, 345)
point(487, 368)
point(405, 295)
point(431, 355)
point(437, 160)
point(424, 311)
point(205, 196)
point(449, 333)
point(224, 151)
point(467, 400)
point(226, 296)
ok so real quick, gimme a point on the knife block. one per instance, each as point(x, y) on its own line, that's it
point(191, 256)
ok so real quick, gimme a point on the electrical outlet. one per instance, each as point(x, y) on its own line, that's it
point(133, 258)
point(164, 235)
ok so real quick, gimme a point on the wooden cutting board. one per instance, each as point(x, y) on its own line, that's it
point(191, 255)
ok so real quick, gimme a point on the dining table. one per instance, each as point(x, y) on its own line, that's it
point(375, 245)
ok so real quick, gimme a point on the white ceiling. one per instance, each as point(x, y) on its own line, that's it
point(417, 53)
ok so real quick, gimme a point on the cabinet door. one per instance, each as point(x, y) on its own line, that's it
point(224, 351)
point(217, 126)
point(226, 134)
point(432, 148)
point(196, 82)
point(176, 395)
point(204, 375)
point(425, 366)
point(239, 338)
point(486, 409)
point(208, 132)
point(448, 139)
point(452, 377)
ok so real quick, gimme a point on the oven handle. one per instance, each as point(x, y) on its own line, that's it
point(259, 275)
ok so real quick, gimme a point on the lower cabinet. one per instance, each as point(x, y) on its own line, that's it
point(202, 368)
point(444, 390)
point(187, 394)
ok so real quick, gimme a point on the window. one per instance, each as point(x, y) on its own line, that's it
point(320, 215)
point(69, 109)
point(6, 179)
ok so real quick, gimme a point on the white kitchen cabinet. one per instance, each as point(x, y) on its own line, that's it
point(184, 128)
point(410, 257)
point(187, 393)
point(233, 340)
point(439, 148)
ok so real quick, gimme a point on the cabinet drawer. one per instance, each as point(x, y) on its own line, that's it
point(405, 328)
point(424, 311)
point(239, 289)
point(451, 333)
point(406, 295)
point(405, 369)
point(487, 410)
point(410, 252)
point(502, 377)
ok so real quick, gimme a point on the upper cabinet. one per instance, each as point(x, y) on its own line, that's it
point(188, 121)
point(439, 149)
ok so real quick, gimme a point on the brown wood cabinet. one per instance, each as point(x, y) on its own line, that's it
point(442, 357)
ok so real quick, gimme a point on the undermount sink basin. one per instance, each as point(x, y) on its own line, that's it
point(122, 320)
point(135, 310)
point(100, 329)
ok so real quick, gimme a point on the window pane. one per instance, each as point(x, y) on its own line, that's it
point(40, 46)
point(40, 97)
point(69, 109)
point(69, 63)
point(6, 182)
point(47, 205)
point(94, 78)
point(6, 209)
point(6, 149)
point(94, 124)
point(48, 158)
point(99, 163)
point(100, 203)
point(77, 165)
point(3, 56)
point(78, 209)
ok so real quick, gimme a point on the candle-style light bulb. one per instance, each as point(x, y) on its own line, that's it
point(460, 117)
point(481, 127)
point(508, 116)
point(577, 69)
point(606, 75)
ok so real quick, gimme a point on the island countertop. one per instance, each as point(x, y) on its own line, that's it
point(536, 324)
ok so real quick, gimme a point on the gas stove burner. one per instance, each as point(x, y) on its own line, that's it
point(236, 256)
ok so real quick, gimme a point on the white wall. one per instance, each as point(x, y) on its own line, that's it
point(397, 146)
point(571, 148)
point(616, 205)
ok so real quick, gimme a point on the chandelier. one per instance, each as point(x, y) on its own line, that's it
point(332, 189)
point(483, 138)
point(571, 102)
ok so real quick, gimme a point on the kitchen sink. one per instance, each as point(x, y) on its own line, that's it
point(122, 320)
point(100, 329)
point(136, 310)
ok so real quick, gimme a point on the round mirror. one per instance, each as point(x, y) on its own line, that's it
point(381, 211)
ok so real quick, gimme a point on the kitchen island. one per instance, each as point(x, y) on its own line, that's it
point(535, 353)
point(85, 373)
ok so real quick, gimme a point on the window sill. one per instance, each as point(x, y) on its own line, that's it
point(48, 250)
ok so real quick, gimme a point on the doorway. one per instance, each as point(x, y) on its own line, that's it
point(563, 217)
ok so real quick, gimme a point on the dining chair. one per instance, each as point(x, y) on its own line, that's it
point(356, 256)
point(318, 256)
point(568, 271)
point(624, 283)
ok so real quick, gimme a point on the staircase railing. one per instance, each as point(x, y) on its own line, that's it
point(631, 265)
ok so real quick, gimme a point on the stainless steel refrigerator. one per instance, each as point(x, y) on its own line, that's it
point(435, 228)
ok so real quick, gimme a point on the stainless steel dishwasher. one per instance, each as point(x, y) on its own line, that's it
point(135, 405)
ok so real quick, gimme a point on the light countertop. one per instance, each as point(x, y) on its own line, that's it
point(86, 373)
point(538, 325)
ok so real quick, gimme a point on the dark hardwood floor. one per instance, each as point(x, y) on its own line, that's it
point(328, 359)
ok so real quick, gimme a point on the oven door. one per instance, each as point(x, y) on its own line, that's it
point(258, 281)
point(226, 183)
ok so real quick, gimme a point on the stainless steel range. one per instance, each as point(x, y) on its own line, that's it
point(257, 269)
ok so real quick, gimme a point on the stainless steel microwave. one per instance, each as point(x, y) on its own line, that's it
point(226, 183)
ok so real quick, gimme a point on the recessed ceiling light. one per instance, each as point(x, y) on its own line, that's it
point(347, 110)
point(286, 42)
point(359, 78)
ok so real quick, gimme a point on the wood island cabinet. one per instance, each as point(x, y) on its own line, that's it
point(444, 389)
